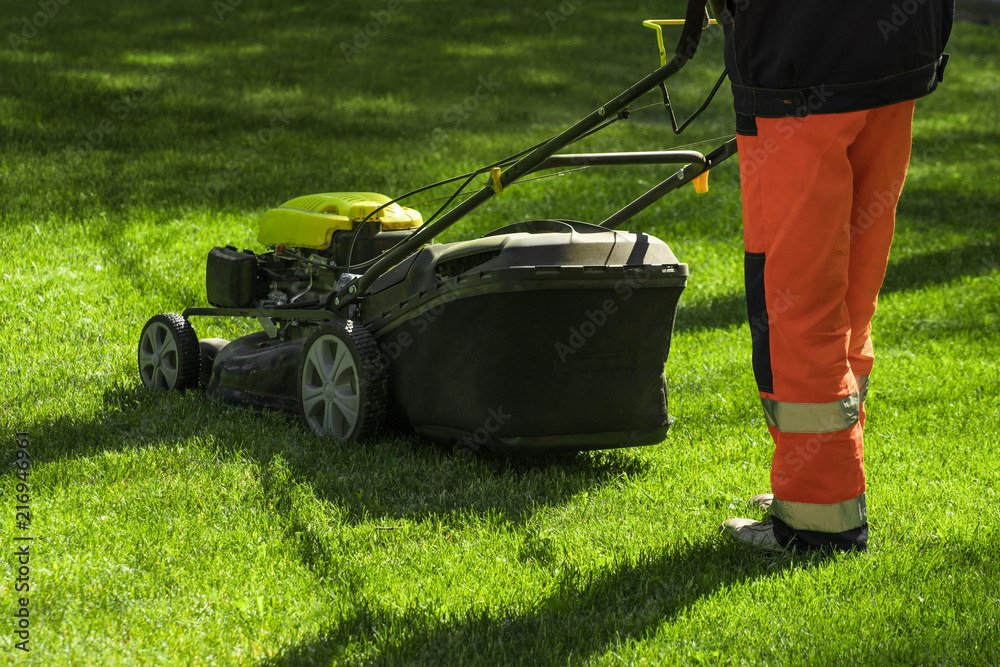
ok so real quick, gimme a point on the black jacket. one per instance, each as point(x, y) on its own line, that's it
point(796, 57)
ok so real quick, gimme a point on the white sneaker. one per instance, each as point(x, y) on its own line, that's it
point(762, 501)
point(757, 534)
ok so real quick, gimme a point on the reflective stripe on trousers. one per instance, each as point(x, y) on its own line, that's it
point(827, 518)
point(812, 417)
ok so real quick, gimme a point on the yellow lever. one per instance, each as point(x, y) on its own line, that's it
point(657, 24)
point(700, 183)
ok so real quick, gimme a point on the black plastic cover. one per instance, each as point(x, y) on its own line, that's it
point(258, 370)
point(369, 243)
point(546, 335)
point(231, 278)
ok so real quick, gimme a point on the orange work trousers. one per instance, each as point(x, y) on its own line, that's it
point(819, 199)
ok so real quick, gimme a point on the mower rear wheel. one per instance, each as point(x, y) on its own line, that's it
point(342, 385)
point(169, 356)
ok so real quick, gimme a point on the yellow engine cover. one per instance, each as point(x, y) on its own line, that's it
point(310, 221)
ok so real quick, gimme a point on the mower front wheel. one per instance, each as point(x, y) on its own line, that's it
point(342, 385)
point(169, 356)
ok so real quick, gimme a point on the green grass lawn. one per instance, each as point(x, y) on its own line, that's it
point(173, 530)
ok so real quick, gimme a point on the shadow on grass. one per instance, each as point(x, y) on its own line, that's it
point(404, 477)
point(588, 615)
point(585, 616)
point(909, 273)
point(374, 485)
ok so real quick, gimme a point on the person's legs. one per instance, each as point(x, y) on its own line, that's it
point(811, 294)
point(798, 189)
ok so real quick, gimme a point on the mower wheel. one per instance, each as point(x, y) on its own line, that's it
point(169, 356)
point(342, 384)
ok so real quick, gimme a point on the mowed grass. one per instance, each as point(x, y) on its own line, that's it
point(173, 530)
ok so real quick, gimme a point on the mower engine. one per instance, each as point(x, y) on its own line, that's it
point(316, 239)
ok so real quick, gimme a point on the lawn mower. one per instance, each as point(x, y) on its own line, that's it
point(542, 335)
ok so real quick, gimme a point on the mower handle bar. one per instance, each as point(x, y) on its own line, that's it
point(688, 172)
point(694, 22)
point(619, 159)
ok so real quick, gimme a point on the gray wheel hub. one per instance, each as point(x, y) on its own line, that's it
point(158, 357)
point(330, 398)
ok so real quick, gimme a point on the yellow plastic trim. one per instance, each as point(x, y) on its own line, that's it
point(300, 229)
point(701, 183)
point(495, 180)
point(310, 221)
point(657, 25)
